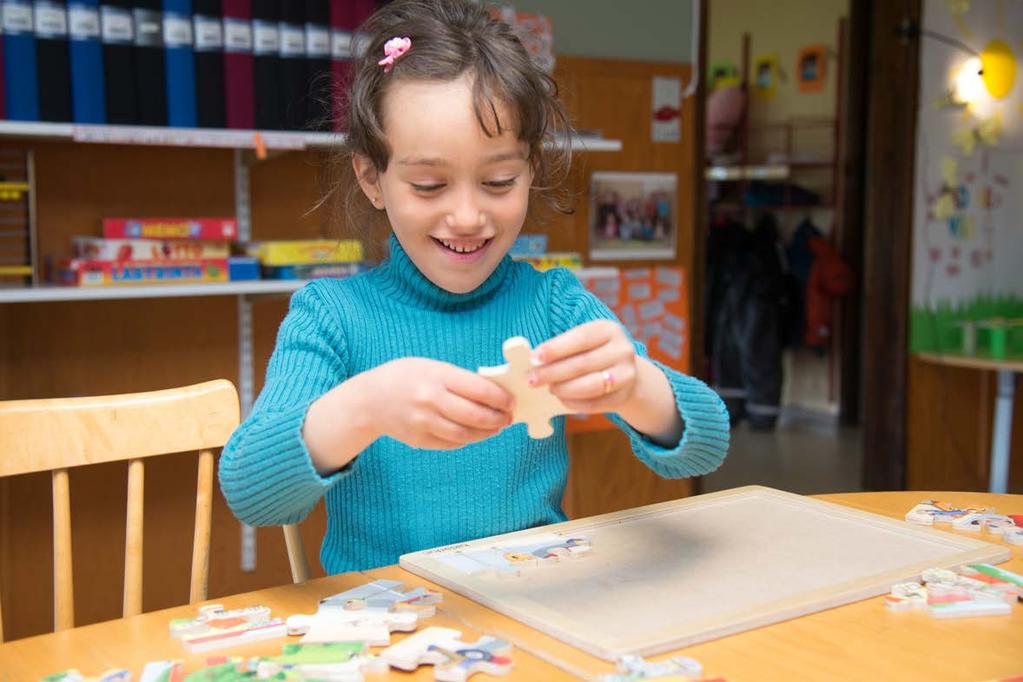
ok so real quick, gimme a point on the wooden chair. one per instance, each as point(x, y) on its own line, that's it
point(57, 434)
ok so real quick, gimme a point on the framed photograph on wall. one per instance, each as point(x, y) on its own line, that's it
point(633, 216)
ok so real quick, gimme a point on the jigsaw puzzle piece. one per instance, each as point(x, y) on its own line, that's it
point(535, 406)
point(635, 668)
point(453, 660)
point(366, 613)
point(336, 662)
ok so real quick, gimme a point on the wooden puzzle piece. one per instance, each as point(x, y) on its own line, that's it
point(975, 522)
point(906, 597)
point(510, 558)
point(1000, 574)
point(453, 660)
point(1014, 536)
point(930, 512)
point(216, 628)
point(635, 668)
point(535, 406)
point(163, 671)
point(368, 613)
point(336, 662)
point(966, 609)
point(72, 675)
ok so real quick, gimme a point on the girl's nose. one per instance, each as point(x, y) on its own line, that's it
point(465, 215)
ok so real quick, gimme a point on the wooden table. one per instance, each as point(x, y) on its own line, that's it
point(1001, 436)
point(860, 641)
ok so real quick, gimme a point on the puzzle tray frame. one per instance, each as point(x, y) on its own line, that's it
point(716, 565)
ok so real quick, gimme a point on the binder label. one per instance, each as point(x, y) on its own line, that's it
point(51, 20)
point(209, 36)
point(237, 35)
point(292, 40)
point(148, 28)
point(177, 30)
point(317, 41)
point(341, 44)
point(265, 38)
point(117, 25)
point(17, 17)
point(83, 22)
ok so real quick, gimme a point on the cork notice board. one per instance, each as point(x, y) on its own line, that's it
point(673, 574)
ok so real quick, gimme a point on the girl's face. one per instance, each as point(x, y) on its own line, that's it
point(455, 198)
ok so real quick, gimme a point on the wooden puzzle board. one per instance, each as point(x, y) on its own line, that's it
point(669, 575)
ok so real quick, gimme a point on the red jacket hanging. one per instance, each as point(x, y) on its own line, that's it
point(830, 276)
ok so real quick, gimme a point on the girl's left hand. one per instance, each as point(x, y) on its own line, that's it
point(591, 368)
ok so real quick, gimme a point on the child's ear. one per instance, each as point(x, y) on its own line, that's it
point(369, 179)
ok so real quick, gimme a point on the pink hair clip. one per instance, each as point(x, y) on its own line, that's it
point(393, 49)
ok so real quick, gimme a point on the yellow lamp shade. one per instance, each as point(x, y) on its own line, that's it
point(999, 67)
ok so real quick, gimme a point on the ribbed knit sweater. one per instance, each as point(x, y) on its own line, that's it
point(392, 498)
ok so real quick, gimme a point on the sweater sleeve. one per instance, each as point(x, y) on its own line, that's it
point(704, 440)
point(266, 472)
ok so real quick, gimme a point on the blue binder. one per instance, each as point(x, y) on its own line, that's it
point(21, 80)
point(180, 63)
point(88, 94)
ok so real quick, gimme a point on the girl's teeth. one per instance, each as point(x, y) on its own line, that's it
point(461, 249)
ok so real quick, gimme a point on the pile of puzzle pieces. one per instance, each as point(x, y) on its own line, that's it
point(975, 590)
point(974, 519)
point(334, 646)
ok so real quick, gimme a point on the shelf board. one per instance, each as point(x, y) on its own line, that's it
point(52, 293)
point(774, 171)
point(55, 293)
point(784, 207)
point(210, 137)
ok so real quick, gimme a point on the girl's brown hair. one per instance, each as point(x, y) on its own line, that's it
point(451, 38)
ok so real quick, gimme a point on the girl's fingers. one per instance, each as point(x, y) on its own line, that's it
point(576, 340)
point(479, 390)
point(449, 431)
point(472, 415)
point(595, 386)
point(573, 367)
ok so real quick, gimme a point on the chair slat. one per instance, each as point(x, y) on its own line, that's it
point(63, 588)
point(201, 541)
point(132, 604)
point(296, 554)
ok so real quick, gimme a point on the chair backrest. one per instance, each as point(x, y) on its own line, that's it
point(58, 434)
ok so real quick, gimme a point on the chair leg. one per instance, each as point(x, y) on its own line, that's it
point(296, 554)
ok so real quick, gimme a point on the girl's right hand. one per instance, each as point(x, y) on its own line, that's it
point(436, 405)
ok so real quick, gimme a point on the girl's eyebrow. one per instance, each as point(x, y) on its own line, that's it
point(436, 161)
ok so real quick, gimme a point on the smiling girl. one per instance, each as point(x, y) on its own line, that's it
point(371, 396)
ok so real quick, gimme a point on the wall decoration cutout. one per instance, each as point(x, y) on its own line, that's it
point(723, 74)
point(998, 68)
point(765, 76)
point(811, 68)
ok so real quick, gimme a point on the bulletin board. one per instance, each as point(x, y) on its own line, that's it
point(653, 304)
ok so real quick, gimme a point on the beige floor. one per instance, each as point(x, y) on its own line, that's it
point(797, 458)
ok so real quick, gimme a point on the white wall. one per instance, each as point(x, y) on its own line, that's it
point(652, 30)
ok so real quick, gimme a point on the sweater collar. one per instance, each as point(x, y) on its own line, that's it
point(401, 276)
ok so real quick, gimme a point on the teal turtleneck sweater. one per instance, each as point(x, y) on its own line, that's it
point(392, 498)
